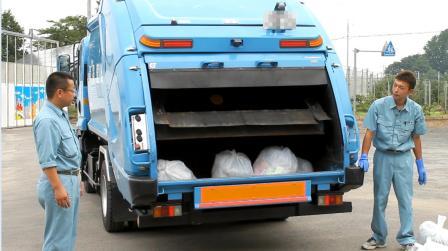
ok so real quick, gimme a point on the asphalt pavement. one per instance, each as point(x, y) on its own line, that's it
point(23, 218)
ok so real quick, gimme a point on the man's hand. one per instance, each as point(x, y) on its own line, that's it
point(421, 172)
point(61, 197)
point(363, 162)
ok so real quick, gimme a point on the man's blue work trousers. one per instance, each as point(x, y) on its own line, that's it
point(393, 168)
point(60, 223)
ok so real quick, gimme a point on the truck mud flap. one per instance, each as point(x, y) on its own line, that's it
point(143, 191)
point(354, 178)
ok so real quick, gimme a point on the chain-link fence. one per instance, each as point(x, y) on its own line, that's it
point(431, 91)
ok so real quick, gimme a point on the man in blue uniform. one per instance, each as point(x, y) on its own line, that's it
point(395, 124)
point(59, 157)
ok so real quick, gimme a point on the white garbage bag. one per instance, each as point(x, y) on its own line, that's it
point(275, 160)
point(435, 231)
point(231, 164)
point(430, 246)
point(173, 170)
point(304, 166)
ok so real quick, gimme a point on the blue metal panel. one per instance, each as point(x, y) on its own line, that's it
point(194, 12)
point(83, 97)
point(197, 197)
point(340, 89)
point(321, 187)
point(235, 60)
point(308, 190)
point(150, 119)
point(174, 196)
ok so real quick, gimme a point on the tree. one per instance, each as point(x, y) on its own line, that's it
point(417, 63)
point(68, 30)
point(437, 52)
point(15, 45)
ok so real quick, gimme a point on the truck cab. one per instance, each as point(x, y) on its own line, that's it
point(179, 80)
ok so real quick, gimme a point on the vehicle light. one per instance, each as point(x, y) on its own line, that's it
point(329, 199)
point(167, 211)
point(166, 43)
point(316, 42)
point(290, 43)
point(301, 43)
point(153, 43)
point(177, 43)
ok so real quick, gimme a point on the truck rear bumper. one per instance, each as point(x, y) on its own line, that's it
point(243, 214)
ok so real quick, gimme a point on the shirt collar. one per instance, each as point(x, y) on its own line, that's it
point(391, 103)
point(54, 108)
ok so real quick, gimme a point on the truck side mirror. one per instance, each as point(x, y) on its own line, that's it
point(63, 63)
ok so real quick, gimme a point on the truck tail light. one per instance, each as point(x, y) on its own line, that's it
point(166, 43)
point(301, 43)
point(167, 211)
point(139, 132)
point(329, 199)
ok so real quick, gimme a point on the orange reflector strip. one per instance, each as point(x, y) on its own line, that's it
point(177, 43)
point(252, 194)
point(316, 42)
point(153, 43)
point(293, 43)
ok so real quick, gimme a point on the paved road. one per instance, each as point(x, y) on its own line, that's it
point(22, 222)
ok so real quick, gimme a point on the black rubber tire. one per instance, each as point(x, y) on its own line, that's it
point(106, 191)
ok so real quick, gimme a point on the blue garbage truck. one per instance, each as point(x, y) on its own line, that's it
point(185, 80)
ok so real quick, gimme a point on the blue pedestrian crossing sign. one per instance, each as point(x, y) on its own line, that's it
point(388, 50)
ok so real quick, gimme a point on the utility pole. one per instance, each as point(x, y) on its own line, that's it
point(89, 9)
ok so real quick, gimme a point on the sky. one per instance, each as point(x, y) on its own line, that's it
point(365, 17)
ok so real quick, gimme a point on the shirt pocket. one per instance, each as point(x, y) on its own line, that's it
point(68, 147)
point(405, 130)
point(385, 130)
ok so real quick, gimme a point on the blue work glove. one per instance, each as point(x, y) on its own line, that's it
point(363, 162)
point(421, 172)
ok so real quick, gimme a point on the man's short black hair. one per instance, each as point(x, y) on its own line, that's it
point(408, 77)
point(57, 80)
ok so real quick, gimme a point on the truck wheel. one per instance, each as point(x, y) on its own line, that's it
point(106, 191)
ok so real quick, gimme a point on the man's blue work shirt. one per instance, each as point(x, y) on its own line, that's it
point(56, 143)
point(394, 128)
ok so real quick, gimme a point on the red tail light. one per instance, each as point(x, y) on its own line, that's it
point(301, 43)
point(166, 43)
point(329, 199)
point(167, 211)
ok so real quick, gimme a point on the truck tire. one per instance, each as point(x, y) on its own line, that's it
point(106, 192)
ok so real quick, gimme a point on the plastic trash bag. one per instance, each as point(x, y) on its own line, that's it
point(435, 231)
point(430, 246)
point(304, 166)
point(173, 170)
point(231, 164)
point(275, 160)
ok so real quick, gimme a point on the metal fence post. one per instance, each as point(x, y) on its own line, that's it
point(8, 98)
point(15, 80)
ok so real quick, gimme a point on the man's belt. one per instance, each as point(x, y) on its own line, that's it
point(74, 172)
point(396, 151)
